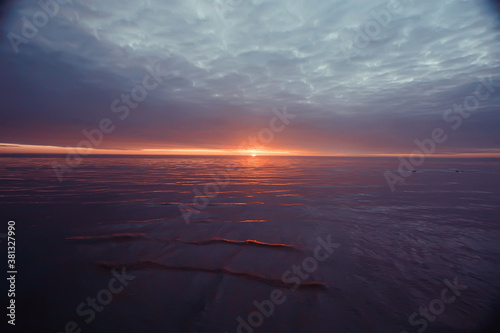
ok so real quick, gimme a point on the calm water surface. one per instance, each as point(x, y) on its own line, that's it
point(395, 249)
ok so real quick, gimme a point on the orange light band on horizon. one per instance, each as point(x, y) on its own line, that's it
point(10, 148)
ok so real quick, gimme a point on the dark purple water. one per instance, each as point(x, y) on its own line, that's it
point(393, 252)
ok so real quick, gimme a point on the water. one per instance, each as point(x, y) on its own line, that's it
point(393, 252)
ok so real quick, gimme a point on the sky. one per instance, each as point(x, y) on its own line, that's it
point(277, 76)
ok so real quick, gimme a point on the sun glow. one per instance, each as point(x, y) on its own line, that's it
point(257, 151)
point(11, 148)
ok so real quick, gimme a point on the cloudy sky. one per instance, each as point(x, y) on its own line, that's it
point(360, 76)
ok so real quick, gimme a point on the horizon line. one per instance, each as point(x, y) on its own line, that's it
point(18, 150)
point(131, 155)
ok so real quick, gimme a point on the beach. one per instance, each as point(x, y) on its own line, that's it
point(278, 244)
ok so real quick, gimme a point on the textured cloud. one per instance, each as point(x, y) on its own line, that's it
point(226, 64)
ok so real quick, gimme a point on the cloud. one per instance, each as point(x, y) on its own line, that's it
point(226, 64)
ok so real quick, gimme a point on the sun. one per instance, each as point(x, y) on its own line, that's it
point(253, 152)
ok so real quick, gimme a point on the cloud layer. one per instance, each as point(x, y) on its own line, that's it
point(362, 76)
